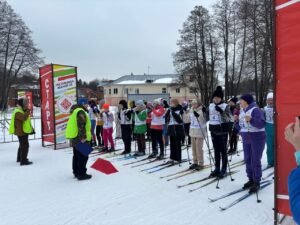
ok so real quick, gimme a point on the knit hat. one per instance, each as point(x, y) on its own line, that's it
point(270, 95)
point(248, 98)
point(156, 102)
point(218, 92)
point(234, 100)
point(105, 106)
point(140, 103)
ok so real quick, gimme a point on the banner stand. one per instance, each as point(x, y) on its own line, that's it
point(58, 86)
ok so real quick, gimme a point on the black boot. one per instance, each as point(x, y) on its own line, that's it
point(255, 187)
point(248, 185)
point(215, 173)
point(223, 173)
point(125, 153)
point(27, 163)
point(84, 177)
point(193, 166)
point(152, 155)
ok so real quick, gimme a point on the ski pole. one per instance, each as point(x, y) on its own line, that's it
point(248, 127)
point(211, 159)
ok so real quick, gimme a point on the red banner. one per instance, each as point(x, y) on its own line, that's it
point(287, 92)
point(47, 112)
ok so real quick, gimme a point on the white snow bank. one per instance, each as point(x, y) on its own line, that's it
point(46, 194)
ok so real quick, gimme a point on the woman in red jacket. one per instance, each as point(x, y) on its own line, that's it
point(156, 129)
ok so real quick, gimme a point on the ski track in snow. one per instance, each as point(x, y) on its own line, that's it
point(47, 194)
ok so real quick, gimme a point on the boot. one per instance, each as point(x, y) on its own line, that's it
point(27, 163)
point(198, 168)
point(248, 184)
point(112, 149)
point(138, 154)
point(84, 177)
point(152, 155)
point(255, 187)
point(125, 153)
point(160, 157)
point(223, 173)
point(193, 166)
point(231, 151)
point(215, 173)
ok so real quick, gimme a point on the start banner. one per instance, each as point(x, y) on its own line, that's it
point(59, 93)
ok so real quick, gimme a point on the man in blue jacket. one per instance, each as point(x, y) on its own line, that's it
point(292, 135)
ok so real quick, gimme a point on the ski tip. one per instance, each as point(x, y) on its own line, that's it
point(191, 190)
point(222, 209)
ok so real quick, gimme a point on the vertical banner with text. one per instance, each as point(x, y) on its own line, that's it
point(62, 95)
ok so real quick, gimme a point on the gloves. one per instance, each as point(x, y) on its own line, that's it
point(166, 105)
point(196, 114)
point(219, 109)
point(203, 109)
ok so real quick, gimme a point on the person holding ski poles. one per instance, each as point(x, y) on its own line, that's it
point(93, 113)
point(233, 134)
point(219, 126)
point(126, 126)
point(292, 135)
point(140, 127)
point(197, 133)
point(251, 125)
point(186, 122)
point(156, 129)
point(269, 114)
point(108, 119)
point(79, 130)
point(175, 130)
point(21, 126)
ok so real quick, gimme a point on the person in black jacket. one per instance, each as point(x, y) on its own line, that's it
point(219, 126)
point(126, 126)
point(175, 129)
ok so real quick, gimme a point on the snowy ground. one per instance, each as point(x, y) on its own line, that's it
point(46, 194)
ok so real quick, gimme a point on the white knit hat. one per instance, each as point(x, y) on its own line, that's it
point(270, 95)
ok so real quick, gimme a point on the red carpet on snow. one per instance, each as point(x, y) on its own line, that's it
point(104, 166)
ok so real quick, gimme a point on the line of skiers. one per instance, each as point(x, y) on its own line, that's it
point(169, 123)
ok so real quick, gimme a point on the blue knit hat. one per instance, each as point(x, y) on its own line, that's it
point(248, 98)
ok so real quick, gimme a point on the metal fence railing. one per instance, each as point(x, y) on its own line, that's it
point(5, 137)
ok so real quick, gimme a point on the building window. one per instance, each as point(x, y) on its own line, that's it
point(137, 91)
point(177, 90)
point(115, 91)
point(109, 91)
point(126, 91)
point(164, 90)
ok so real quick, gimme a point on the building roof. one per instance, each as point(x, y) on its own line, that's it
point(144, 79)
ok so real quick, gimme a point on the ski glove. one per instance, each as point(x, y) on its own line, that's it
point(203, 109)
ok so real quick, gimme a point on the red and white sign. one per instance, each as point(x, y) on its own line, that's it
point(287, 91)
point(47, 106)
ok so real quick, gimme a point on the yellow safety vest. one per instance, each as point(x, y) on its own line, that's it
point(72, 128)
point(27, 128)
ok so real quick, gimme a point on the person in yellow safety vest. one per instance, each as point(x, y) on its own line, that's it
point(79, 130)
point(21, 126)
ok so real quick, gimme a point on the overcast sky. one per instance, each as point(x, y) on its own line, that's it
point(107, 38)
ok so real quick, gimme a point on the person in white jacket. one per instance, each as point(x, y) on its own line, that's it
point(197, 133)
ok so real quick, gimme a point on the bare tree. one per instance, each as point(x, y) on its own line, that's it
point(17, 50)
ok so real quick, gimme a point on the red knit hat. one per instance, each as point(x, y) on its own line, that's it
point(105, 106)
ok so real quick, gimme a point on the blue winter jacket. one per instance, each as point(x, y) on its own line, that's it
point(294, 191)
